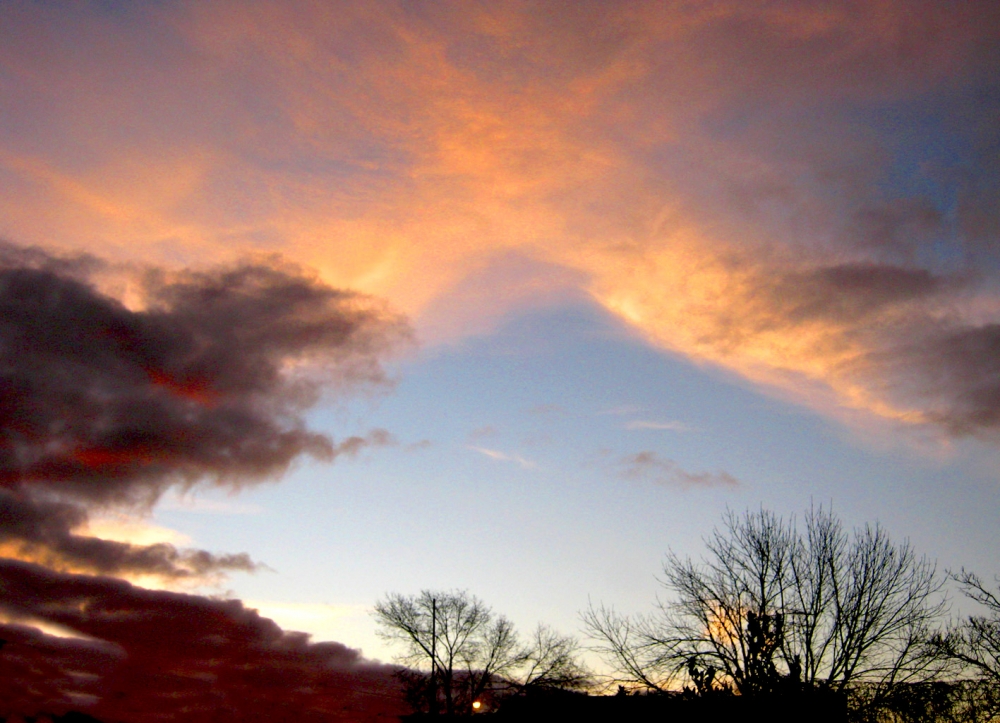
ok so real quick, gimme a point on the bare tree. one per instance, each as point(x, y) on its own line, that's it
point(550, 662)
point(772, 606)
point(863, 606)
point(743, 581)
point(465, 650)
point(974, 644)
point(492, 659)
point(633, 647)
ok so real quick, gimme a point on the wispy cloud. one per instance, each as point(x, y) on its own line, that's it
point(352, 446)
point(545, 409)
point(483, 432)
point(649, 466)
point(671, 425)
point(200, 504)
point(504, 457)
point(621, 411)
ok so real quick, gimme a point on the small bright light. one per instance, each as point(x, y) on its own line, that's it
point(476, 705)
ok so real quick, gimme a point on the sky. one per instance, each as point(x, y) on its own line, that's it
point(306, 302)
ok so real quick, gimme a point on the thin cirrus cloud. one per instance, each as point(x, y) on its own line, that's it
point(650, 466)
point(776, 212)
point(505, 457)
point(622, 410)
point(670, 425)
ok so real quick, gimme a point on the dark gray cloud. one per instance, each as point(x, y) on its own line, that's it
point(102, 404)
point(919, 352)
point(851, 292)
point(954, 370)
point(896, 229)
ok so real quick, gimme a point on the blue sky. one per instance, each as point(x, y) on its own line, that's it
point(510, 479)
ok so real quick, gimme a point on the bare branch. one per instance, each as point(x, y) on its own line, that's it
point(465, 651)
point(775, 604)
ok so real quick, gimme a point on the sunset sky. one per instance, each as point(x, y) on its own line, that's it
point(306, 302)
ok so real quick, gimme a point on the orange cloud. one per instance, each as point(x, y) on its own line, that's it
point(686, 165)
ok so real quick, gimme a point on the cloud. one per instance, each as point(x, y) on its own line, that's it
point(43, 531)
point(545, 409)
point(778, 211)
point(887, 339)
point(649, 466)
point(482, 432)
point(352, 446)
point(622, 410)
point(132, 654)
point(803, 194)
point(200, 504)
point(203, 377)
point(955, 371)
point(103, 404)
point(671, 425)
point(504, 457)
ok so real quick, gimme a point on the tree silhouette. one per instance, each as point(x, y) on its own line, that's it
point(458, 649)
point(773, 607)
point(974, 644)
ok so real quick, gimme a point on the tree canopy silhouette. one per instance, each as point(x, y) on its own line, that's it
point(457, 649)
point(774, 604)
point(973, 645)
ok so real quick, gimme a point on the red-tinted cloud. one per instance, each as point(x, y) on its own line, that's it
point(105, 403)
point(142, 655)
point(102, 404)
point(208, 380)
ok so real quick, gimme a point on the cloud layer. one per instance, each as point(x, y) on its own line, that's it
point(129, 654)
point(804, 193)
